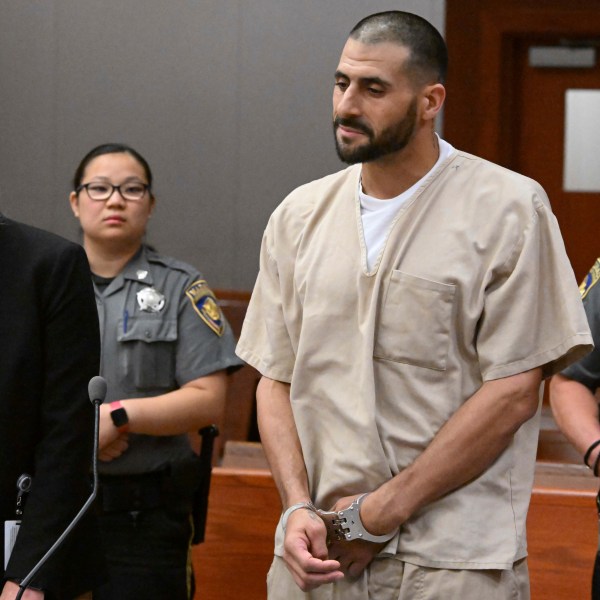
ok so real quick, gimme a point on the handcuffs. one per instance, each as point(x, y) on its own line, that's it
point(342, 525)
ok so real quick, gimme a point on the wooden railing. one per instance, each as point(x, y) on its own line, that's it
point(233, 561)
point(244, 509)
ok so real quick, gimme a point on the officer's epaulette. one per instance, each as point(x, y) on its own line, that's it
point(590, 279)
point(171, 263)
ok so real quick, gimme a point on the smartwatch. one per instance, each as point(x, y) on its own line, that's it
point(119, 417)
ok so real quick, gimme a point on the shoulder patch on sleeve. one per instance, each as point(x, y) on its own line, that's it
point(205, 304)
point(590, 279)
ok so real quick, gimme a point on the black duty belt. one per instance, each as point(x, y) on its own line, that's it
point(173, 487)
point(184, 485)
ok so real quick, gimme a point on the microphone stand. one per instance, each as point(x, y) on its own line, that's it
point(27, 580)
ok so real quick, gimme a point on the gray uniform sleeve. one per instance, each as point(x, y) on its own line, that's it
point(205, 342)
point(587, 370)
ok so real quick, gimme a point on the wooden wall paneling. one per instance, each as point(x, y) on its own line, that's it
point(562, 534)
point(244, 508)
point(243, 511)
point(480, 34)
point(240, 408)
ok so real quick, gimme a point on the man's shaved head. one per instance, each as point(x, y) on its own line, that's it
point(428, 58)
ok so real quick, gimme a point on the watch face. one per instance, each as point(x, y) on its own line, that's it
point(119, 417)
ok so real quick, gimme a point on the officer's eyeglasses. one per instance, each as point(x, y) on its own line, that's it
point(101, 192)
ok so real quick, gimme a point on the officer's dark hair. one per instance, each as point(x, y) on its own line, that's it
point(428, 59)
point(111, 149)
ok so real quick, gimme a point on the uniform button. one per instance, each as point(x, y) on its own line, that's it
point(148, 334)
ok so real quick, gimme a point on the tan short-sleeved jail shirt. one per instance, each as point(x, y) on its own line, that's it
point(472, 284)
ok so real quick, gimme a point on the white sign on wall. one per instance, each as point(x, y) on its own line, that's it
point(581, 171)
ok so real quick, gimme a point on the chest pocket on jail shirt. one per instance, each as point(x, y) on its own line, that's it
point(415, 321)
point(147, 353)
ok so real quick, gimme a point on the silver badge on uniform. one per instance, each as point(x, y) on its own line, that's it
point(141, 273)
point(150, 300)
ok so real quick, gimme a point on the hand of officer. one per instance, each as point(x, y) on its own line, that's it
point(355, 556)
point(114, 449)
point(108, 432)
point(305, 551)
point(11, 589)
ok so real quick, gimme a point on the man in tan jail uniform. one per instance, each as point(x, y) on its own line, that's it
point(405, 313)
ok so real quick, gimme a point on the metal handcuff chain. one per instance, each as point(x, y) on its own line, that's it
point(346, 525)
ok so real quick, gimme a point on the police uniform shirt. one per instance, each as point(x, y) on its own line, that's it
point(160, 328)
point(587, 370)
point(472, 284)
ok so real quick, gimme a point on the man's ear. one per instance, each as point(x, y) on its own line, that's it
point(432, 100)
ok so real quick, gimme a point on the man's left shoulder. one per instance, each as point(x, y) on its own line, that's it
point(484, 174)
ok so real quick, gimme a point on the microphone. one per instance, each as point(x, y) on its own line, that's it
point(97, 392)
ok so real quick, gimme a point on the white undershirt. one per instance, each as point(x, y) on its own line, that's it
point(377, 214)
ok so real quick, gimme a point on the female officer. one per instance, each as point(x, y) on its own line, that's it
point(166, 348)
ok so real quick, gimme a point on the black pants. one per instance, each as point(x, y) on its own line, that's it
point(146, 530)
point(148, 555)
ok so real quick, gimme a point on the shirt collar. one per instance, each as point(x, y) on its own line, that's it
point(138, 268)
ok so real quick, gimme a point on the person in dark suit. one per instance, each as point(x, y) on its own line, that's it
point(49, 336)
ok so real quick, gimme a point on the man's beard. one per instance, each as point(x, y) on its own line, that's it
point(390, 140)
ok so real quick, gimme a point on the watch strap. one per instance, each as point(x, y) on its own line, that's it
point(119, 417)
